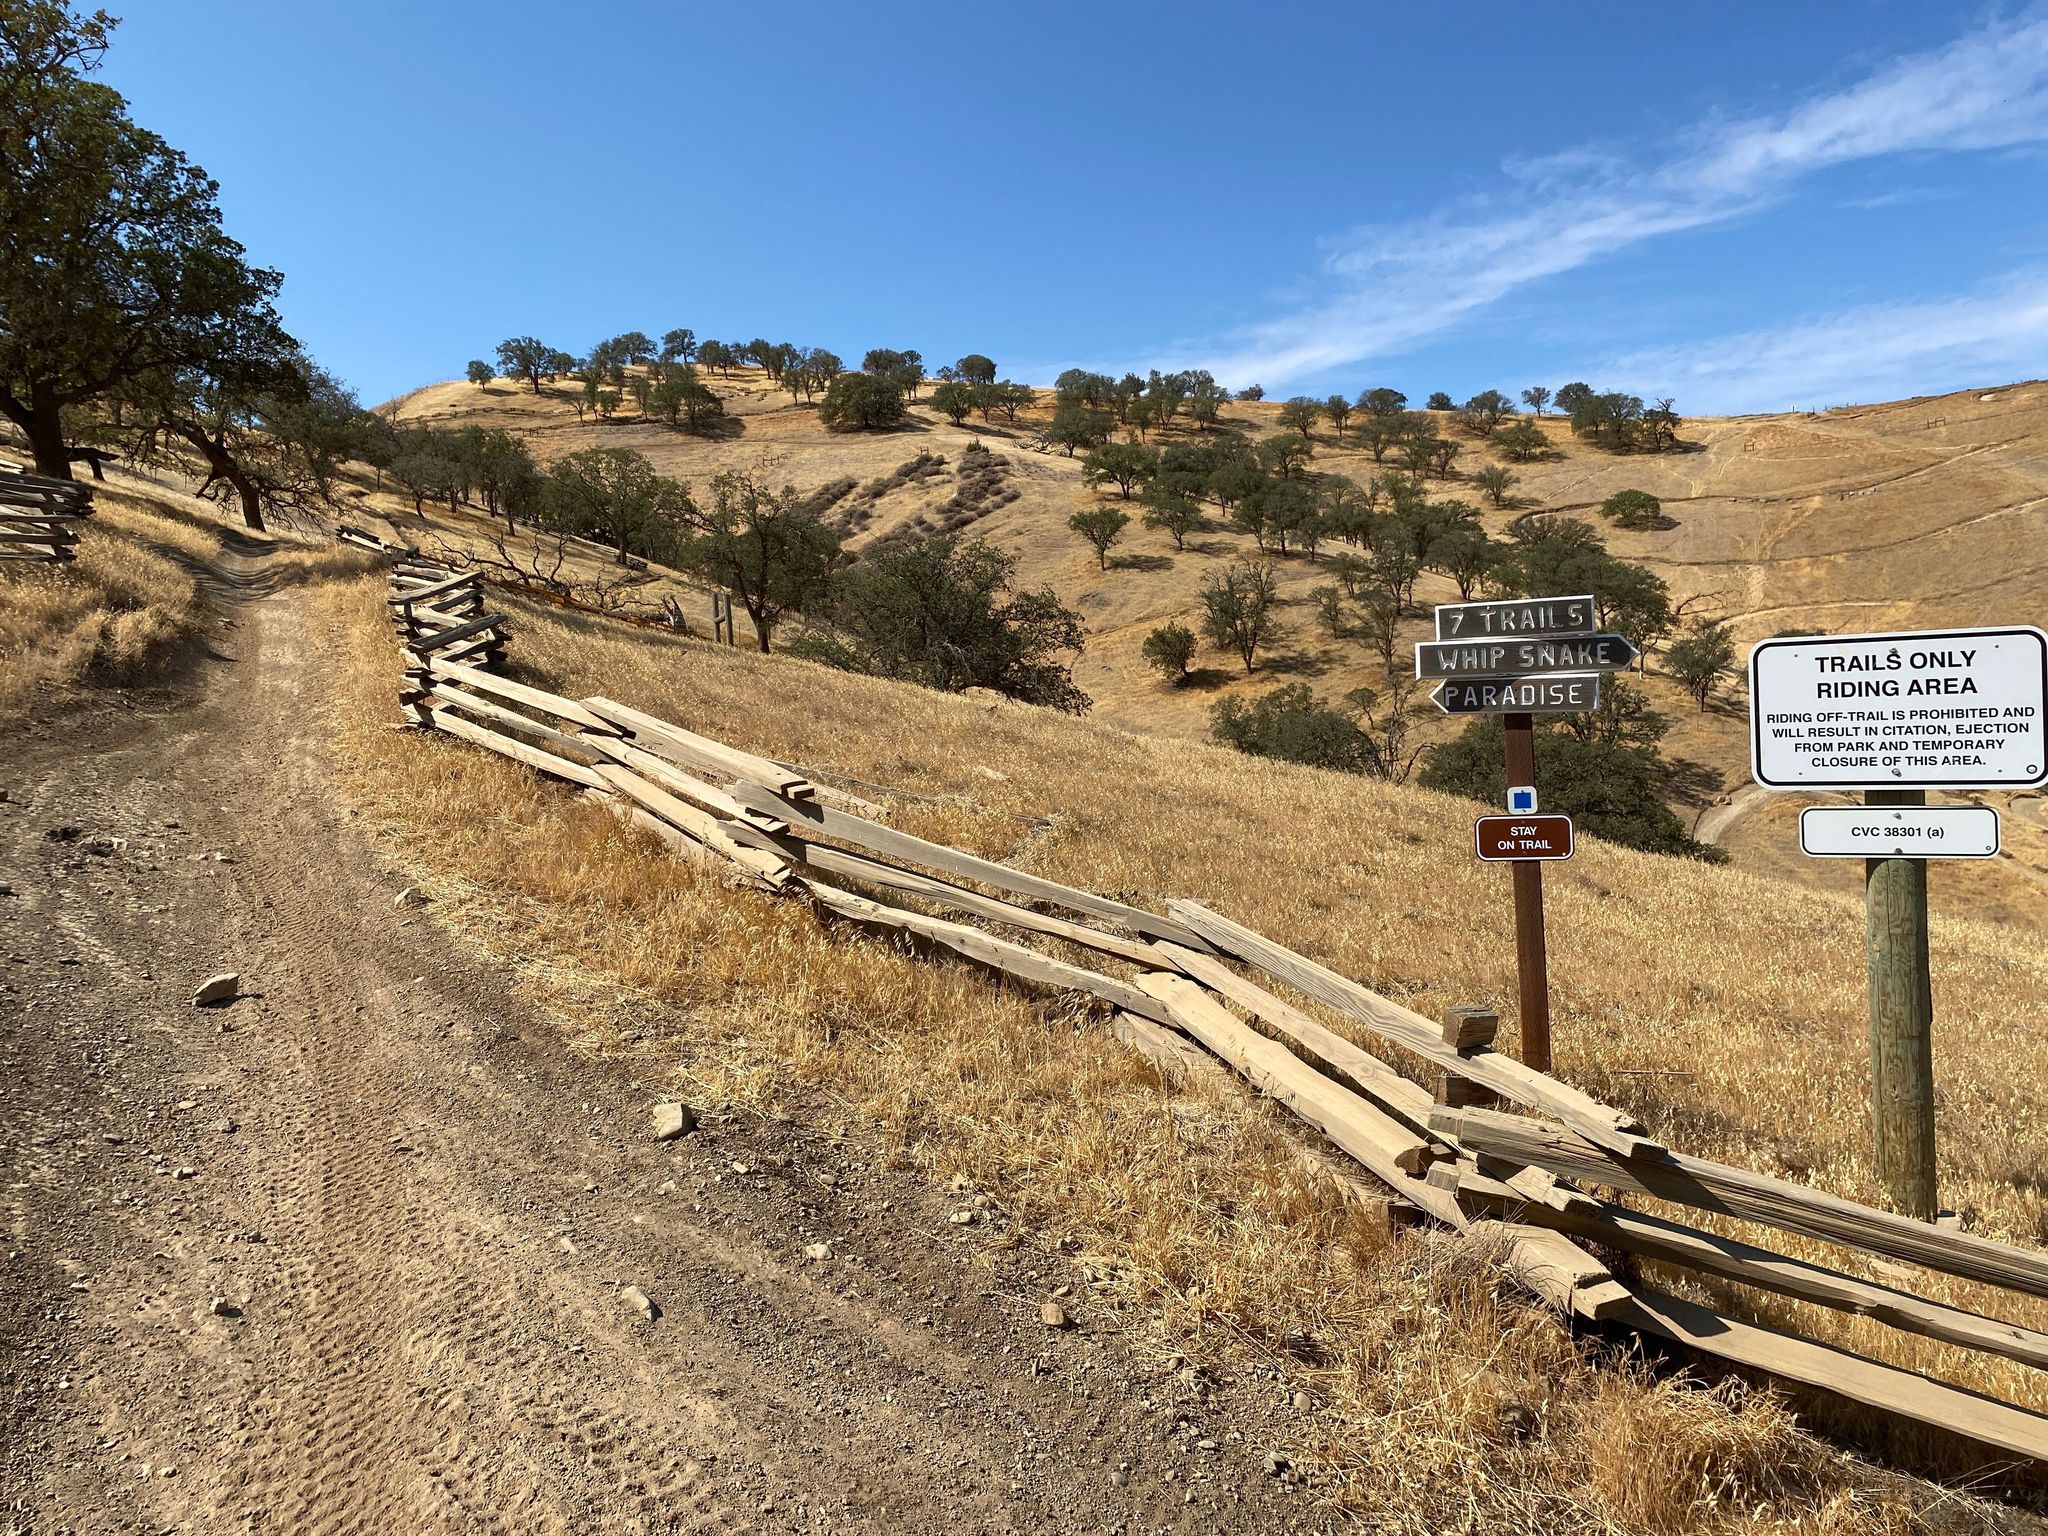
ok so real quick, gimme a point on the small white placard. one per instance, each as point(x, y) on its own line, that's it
point(1899, 831)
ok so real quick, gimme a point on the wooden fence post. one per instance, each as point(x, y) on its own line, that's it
point(1467, 1030)
point(1901, 1021)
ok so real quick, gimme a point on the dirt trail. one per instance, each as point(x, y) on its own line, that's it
point(345, 1256)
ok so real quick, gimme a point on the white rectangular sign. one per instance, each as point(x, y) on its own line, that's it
point(1899, 831)
point(1943, 709)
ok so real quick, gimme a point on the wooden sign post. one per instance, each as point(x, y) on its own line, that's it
point(1517, 658)
point(1895, 715)
point(1901, 1020)
point(1532, 958)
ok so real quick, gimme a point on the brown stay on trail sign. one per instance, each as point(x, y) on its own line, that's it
point(1499, 838)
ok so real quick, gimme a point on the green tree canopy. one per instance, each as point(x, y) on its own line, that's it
point(1239, 608)
point(1633, 509)
point(862, 402)
point(1292, 724)
point(1075, 425)
point(764, 545)
point(948, 615)
point(525, 357)
point(1300, 414)
point(1125, 465)
point(480, 372)
point(1102, 527)
point(955, 400)
point(1700, 659)
point(614, 494)
point(114, 268)
point(1170, 651)
point(1172, 513)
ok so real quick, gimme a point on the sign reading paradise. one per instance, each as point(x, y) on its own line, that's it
point(1569, 693)
point(1942, 709)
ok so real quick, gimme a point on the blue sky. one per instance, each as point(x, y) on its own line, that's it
point(1750, 206)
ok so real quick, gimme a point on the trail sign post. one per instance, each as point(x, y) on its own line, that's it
point(1517, 658)
point(1895, 715)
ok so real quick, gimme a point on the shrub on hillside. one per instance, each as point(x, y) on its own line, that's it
point(1633, 509)
point(948, 615)
point(862, 402)
point(1292, 724)
point(1170, 650)
point(1603, 770)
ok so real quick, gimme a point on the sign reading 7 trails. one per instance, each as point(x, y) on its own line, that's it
point(1515, 616)
point(1950, 709)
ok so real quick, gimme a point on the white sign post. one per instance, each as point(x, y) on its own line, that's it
point(1896, 715)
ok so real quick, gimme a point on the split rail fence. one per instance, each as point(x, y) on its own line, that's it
point(39, 516)
point(1494, 1149)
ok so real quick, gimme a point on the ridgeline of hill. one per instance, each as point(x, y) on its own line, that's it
point(1912, 514)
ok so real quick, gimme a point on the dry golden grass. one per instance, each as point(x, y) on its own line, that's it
point(1916, 513)
point(118, 613)
point(1454, 1400)
point(111, 615)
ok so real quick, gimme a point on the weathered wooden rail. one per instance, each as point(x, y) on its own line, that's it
point(39, 516)
point(1196, 992)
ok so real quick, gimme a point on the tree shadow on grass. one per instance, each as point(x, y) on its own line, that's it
point(1294, 664)
point(1206, 679)
point(1142, 563)
point(1694, 784)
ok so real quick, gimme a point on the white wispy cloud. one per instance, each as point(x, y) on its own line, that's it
point(1389, 286)
point(1874, 352)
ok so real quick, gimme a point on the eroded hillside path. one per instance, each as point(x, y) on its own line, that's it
point(346, 1255)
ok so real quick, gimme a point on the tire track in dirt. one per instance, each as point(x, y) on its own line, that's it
point(425, 1207)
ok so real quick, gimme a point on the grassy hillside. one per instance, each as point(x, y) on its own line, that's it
point(1725, 1010)
point(1912, 514)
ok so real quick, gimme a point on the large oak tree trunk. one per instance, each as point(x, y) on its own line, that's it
point(45, 429)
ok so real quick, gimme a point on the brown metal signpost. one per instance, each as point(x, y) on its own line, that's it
point(1517, 658)
point(1532, 959)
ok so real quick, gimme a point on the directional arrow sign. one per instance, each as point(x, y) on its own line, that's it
point(1567, 693)
point(1538, 657)
point(1515, 616)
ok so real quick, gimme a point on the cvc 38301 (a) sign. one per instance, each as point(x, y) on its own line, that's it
point(1949, 709)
